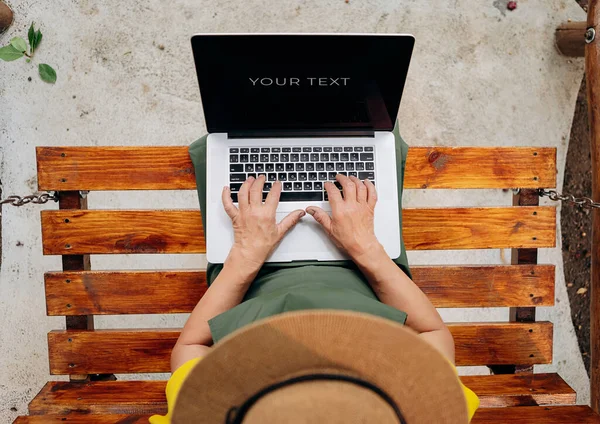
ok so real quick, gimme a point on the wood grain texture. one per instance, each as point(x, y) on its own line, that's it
point(522, 415)
point(148, 397)
point(84, 419)
point(495, 391)
point(502, 343)
point(178, 291)
point(110, 351)
point(537, 415)
point(592, 72)
point(95, 168)
point(570, 38)
point(110, 397)
point(480, 167)
point(525, 197)
point(124, 292)
point(180, 231)
point(138, 351)
point(98, 231)
point(73, 200)
point(170, 168)
point(486, 286)
point(479, 228)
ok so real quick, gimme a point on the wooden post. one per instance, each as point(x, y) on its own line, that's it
point(526, 197)
point(74, 200)
point(521, 257)
point(570, 38)
point(592, 68)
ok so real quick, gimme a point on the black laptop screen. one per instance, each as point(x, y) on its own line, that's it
point(301, 82)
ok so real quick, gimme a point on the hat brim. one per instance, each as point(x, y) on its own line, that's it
point(422, 383)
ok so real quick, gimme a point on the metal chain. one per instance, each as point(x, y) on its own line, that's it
point(582, 202)
point(39, 199)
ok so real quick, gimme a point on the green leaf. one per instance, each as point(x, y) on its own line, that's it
point(31, 37)
point(47, 74)
point(27, 60)
point(9, 53)
point(37, 38)
point(19, 44)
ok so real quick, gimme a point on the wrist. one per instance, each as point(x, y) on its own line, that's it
point(244, 267)
point(370, 256)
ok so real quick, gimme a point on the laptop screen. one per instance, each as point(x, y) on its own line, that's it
point(281, 82)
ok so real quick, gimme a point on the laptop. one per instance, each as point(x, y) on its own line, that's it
point(300, 108)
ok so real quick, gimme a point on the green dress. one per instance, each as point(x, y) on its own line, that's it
point(292, 286)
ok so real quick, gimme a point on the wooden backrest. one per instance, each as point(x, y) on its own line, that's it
point(79, 293)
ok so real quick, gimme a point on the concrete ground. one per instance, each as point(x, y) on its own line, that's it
point(481, 75)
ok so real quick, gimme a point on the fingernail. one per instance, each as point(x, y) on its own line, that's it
point(225, 188)
point(310, 211)
point(302, 213)
point(250, 178)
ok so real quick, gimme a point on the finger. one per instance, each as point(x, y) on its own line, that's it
point(371, 193)
point(243, 194)
point(361, 190)
point(289, 222)
point(256, 191)
point(348, 186)
point(230, 208)
point(335, 197)
point(321, 217)
point(273, 197)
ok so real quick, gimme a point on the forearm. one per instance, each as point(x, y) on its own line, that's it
point(394, 288)
point(226, 292)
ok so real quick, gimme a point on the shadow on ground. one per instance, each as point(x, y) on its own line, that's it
point(576, 225)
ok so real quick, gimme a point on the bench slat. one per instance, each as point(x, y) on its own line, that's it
point(139, 351)
point(84, 419)
point(502, 343)
point(480, 167)
point(178, 291)
point(75, 232)
point(479, 228)
point(170, 168)
point(537, 415)
point(579, 414)
point(148, 397)
point(495, 391)
point(72, 232)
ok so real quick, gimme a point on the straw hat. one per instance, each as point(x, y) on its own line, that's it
point(322, 367)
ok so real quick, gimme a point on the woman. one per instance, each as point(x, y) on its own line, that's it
point(350, 226)
point(245, 289)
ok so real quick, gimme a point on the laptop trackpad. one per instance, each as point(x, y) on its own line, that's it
point(306, 241)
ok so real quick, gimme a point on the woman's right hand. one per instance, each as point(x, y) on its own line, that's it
point(351, 224)
point(255, 229)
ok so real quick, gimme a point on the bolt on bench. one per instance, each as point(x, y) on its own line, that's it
point(90, 357)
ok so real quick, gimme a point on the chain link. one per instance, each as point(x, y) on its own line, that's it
point(582, 202)
point(39, 199)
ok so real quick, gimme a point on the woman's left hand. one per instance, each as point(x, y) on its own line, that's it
point(256, 231)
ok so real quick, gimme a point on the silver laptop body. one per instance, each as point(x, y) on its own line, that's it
point(300, 108)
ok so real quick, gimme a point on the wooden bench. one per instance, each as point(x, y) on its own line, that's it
point(90, 357)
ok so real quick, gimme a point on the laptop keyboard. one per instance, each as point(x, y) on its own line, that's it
point(301, 170)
